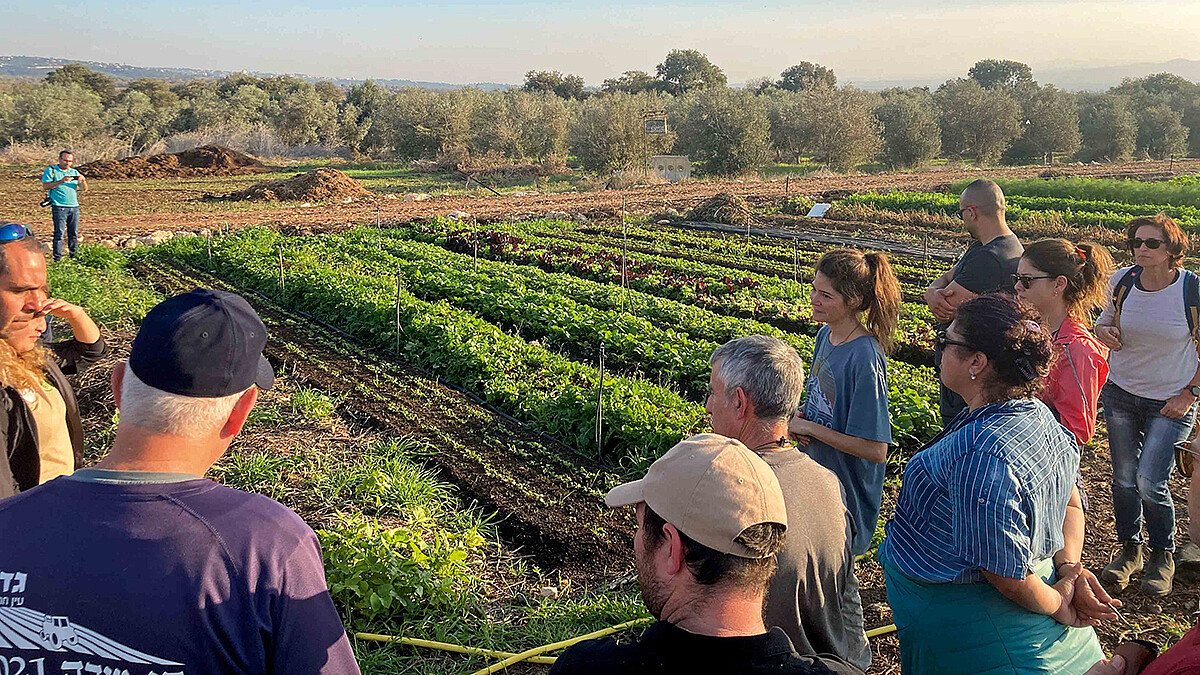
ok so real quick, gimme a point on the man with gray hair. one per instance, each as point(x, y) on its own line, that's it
point(755, 387)
point(141, 565)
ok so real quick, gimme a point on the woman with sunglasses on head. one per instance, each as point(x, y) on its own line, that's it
point(845, 425)
point(1149, 401)
point(1067, 284)
point(974, 558)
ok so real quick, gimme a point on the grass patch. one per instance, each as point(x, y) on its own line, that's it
point(96, 279)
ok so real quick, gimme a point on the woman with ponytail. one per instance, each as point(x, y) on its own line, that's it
point(844, 424)
point(1068, 285)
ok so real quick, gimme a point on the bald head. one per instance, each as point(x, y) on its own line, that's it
point(986, 196)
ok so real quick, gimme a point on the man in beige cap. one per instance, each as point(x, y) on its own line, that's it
point(756, 384)
point(710, 520)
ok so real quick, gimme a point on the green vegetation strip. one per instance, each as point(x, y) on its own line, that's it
point(1181, 191)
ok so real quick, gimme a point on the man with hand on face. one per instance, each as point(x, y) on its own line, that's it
point(986, 267)
point(41, 435)
point(710, 518)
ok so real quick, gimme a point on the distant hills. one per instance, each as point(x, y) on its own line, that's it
point(39, 66)
point(1078, 78)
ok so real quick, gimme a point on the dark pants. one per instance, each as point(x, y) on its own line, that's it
point(1142, 442)
point(66, 219)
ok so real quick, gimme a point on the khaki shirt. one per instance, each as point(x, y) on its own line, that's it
point(49, 412)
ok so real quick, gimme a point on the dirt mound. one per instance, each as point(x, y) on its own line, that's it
point(206, 160)
point(722, 208)
point(318, 185)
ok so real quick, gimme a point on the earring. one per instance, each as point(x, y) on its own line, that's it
point(972, 377)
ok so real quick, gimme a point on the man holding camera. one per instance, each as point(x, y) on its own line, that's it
point(62, 184)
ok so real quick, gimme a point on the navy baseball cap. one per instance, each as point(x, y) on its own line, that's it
point(204, 344)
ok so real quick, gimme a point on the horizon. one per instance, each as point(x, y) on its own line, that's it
point(484, 42)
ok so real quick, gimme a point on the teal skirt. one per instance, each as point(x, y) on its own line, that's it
point(973, 629)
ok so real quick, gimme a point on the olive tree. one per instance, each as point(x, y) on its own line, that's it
point(726, 132)
point(911, 135)
point(976, 122)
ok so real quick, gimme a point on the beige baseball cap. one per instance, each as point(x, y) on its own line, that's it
point(710, 487)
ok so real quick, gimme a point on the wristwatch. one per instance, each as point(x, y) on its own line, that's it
point(1194, 390)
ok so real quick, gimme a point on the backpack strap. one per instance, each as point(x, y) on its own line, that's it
point(1121, 291)
point(1191, 299)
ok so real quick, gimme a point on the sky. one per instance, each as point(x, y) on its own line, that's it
point(499, 40)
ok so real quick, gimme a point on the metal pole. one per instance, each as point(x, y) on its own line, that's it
point(397, 310)
point(787, 185)
point(925, 258)
point(208, 237)
point(475, 238)
point(282, 283)
point(624, 250)
point(600, 404)
point(795, 261)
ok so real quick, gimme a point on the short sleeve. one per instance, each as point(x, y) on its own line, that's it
point(869, 417)
point(1108, 314)
point(48, 175)
point(979, 272)
point(990, 528)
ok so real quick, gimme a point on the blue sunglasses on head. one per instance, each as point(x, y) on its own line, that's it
point(14, 232)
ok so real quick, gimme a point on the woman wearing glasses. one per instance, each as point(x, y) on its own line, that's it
point(977, 574)
point(1149, 401)
point(1067, 284)
point(845, 425)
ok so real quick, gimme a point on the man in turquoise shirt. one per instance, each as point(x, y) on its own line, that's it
point(62, 184)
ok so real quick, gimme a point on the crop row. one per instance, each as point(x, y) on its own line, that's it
point(536, 385)
point(1019, 208)
point(780, 302)
point(1174, 193)
point(668, 340)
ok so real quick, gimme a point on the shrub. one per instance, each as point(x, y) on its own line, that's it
point(725, 132)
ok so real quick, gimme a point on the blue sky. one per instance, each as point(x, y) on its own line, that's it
point(498, 40)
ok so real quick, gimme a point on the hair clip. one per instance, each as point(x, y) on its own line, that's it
point(1082, 253)
point(1033, 326)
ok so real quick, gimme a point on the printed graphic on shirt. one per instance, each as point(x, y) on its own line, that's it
point(53, 644)
point(822, 394)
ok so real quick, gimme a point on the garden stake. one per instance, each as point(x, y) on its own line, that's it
point(282, 285)
point(624, 248)
point(448, 647)
point(397, 309)
point(208, 238)
point(559, 645)
point(600, 403)
point(925, 258)
point(787, 184)
point(795, 261)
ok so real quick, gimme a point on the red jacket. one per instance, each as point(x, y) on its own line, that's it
point(1073, 387)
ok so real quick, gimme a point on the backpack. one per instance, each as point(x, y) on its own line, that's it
point(1191, 295)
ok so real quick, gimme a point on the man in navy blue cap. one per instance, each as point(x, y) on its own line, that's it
point(139, 565)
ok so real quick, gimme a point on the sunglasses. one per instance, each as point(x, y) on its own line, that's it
point(1027, 279)
point(14, 232)
point(962, 211)
point(1136, 242)
point(940, 340)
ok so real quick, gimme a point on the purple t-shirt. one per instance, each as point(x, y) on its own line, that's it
point(187, 577)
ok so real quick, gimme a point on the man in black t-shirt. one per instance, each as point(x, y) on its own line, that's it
point(986, 267)
point(710, 519)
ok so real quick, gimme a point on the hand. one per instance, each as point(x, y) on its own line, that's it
point(800, 429)
point(1177, 406)
point(1104, 667)
point(1091, 601)
point(939, 304)
point(1066, 613)
point(61, 308)
point(1110, 336)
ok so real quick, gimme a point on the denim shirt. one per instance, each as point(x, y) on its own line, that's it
point(988, 493)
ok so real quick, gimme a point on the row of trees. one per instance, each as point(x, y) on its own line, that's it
point(998, 112)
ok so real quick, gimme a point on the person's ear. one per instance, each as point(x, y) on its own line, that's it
point(672, 551)
point(117, 379)
point(241, 410)
point(1060, 284)
point(745, 407)
point(979, 363)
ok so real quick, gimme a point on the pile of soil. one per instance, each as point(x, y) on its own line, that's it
point(722, 208)
point(206, 160)
point(318, 185)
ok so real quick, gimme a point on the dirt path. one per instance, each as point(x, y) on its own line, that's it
point(640, 199)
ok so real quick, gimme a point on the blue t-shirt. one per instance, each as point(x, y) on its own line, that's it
point(847, 391)
point(66, 194)
point(187, 577)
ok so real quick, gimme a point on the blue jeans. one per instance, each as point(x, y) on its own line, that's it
point(66, 218)
point(1142, 443)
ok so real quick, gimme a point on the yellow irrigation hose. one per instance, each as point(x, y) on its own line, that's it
point(882, 630)
point(447, 647)
point(558, 645)
point(533, 655)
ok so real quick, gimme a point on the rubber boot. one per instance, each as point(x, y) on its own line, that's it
point(1128, 561)
point(1160, 571)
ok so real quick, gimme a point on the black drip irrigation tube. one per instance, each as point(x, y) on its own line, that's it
point(942, 254)
point(432, 376)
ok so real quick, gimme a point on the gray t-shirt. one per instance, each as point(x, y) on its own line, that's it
point(987, 268)
point(814, 595)
point(1157, 358)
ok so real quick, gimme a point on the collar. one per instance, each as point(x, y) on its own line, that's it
point(111, 477)
point(743, 648)
point(1007, 408)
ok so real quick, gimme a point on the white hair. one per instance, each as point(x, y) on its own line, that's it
point(768, 369)
point(172, 414)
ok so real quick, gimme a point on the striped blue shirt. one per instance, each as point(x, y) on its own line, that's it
point(990, 492)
